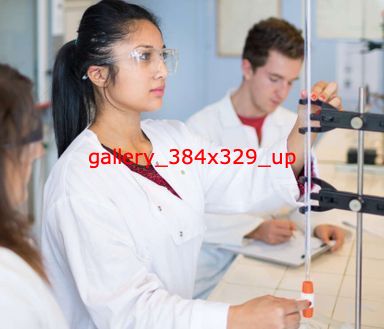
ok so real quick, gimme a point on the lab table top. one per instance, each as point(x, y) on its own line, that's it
point(333, 274)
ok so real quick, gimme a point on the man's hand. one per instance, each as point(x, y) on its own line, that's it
point(273, 231)
point(327, 232)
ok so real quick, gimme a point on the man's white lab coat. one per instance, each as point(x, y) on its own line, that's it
point(121, 251)
point(220, 124)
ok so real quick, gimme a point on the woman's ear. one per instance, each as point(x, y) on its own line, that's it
point(98, 75)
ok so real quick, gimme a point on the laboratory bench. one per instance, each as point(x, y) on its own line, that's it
point(333, 274)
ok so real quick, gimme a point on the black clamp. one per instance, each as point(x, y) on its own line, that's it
point(329, 198)
point(330, 118)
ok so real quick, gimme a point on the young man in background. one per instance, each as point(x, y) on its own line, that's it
point(252, 116)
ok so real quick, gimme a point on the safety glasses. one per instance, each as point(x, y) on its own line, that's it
point(151, 59)
point(34, 134)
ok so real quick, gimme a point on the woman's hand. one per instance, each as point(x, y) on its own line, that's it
point(326, 92)
point(267, 312)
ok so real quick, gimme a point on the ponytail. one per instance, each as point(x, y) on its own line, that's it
point(70, 112)
point(73, 98)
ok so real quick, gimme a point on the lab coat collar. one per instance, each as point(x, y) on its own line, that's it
point(157, 158)
point(276, 117)
point(229, 117)
point(227, 114)
point(183, 227)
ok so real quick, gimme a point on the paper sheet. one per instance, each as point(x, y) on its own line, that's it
point(290, 253)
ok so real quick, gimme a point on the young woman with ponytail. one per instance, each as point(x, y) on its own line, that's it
point(25, 297)
point(121, 240)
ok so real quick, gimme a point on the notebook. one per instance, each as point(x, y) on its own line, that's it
point(290, 253)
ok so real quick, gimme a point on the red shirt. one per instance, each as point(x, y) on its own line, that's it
point(256, 123)
point(148, 172)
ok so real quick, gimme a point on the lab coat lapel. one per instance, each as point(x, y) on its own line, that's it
point(273, 125)
point(235, 133)
point(184, 220)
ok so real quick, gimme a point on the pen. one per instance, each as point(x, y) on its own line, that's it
point(321, 246)
point(293, 236)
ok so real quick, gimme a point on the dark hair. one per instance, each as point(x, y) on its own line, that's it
point(17, 119)
point(272, 34)
point(73, 97)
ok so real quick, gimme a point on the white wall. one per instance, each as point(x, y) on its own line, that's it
point(203, 77)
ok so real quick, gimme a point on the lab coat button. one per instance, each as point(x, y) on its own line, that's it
point(181, 234)
point(159, 207)
point(183, 172)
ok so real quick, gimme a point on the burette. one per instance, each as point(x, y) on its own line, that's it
point(307, 286)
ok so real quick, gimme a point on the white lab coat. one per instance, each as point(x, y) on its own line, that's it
point(121, 251)
point(220, 124)
point(25, 299)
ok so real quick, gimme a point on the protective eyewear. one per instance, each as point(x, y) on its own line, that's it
point(35, 134)
point(152, 58)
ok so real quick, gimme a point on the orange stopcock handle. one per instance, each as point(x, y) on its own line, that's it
point(308, 294)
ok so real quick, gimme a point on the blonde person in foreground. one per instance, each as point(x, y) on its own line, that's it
point(121, 241)
point(25, 297)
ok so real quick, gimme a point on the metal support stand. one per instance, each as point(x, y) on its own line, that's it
point(359, 215)
point(328, 197)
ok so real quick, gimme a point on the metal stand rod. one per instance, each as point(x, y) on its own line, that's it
point(307, 143)
point(359, 224)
